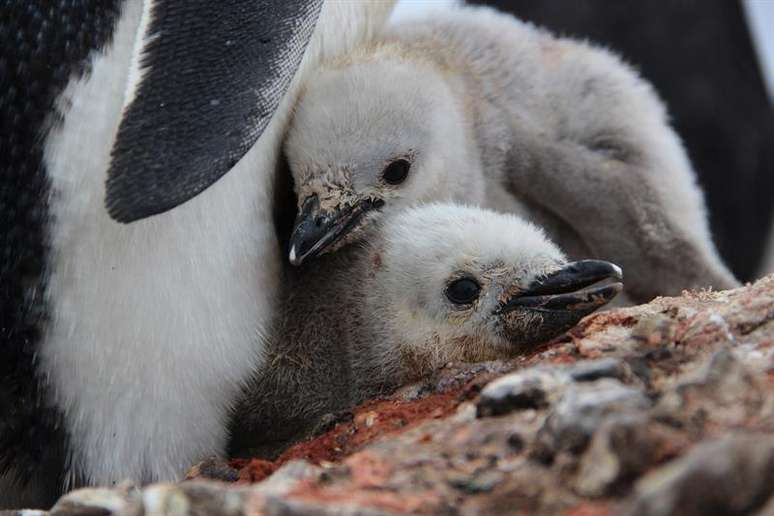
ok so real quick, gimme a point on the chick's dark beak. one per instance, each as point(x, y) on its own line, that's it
point(564, 297)
point(315, 230)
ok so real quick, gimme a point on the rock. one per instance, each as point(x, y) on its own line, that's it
point(532, 389)
point(125, 499)
point(720, 390)
point(592, 370)
point(581, 411)
point(283, 507)
point(481, 482)
point(624, 448)
point(732, 475)
point(213, 468)
point(287, 478)
point(655, 330)
point(196, 497)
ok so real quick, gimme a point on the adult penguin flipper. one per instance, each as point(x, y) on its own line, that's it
point(206, 79)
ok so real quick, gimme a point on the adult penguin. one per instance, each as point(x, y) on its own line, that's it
point(122, 345)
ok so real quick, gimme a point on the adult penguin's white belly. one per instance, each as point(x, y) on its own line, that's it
point(154, 323)
point(149, 328)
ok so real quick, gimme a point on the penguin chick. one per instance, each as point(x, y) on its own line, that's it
point(434, 284)
point(474, 106)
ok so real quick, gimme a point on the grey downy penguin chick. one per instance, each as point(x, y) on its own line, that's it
point(474, 106)
point(123, 346)
point(433, 284)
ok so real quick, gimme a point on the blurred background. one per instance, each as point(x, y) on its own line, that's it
point(712, 62)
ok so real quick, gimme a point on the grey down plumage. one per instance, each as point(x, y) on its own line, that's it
point(473, 106)
point(434, 284)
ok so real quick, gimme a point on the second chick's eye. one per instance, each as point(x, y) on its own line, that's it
point(463, 291)
point(396, 172)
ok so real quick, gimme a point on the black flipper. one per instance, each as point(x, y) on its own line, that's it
point(212, 75)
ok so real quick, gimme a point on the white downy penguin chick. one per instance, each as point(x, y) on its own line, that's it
point(434, 284)
point(475, 106)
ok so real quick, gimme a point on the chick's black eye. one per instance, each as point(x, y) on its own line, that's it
point(463, 291)
point(396, 172)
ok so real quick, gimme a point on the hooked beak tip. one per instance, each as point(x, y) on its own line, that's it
point(580, 286)
point(316, 231)
point(564, 297)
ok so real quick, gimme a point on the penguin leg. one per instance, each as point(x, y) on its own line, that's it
point(659, 236)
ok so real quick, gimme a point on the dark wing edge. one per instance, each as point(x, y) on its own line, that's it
point(212, 76)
